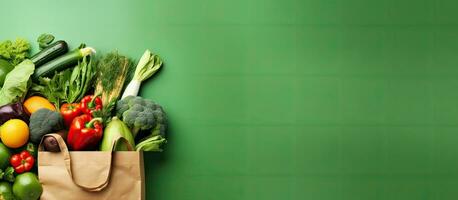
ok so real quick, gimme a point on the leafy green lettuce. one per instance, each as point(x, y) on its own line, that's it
point(14, 52)
point(17, 83)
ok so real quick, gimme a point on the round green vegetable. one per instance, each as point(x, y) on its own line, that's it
point(6, 191)
point(44, 121)
point(5, 155)
point(5, 187)
point(27, 187)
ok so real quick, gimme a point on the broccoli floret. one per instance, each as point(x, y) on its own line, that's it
point(142, 114)
point(121, 108)
point(44, 121)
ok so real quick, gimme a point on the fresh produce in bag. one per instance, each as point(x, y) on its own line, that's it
point(89, 175)
point(71, 100)
point(51, 144)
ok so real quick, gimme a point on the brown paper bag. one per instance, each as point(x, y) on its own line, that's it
point(87, 175)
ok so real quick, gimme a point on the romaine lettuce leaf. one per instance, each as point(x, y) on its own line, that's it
point(17, 83)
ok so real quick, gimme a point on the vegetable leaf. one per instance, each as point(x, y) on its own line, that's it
point(16, 83)
point(67, 86)
point(9, 174)
point(44, 40)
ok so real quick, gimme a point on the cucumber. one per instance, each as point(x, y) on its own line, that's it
point(52, 51)
point(62, 62)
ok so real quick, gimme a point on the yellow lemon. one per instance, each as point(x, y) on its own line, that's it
point(14, 133)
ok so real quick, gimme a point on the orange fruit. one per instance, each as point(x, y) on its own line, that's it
point(35, 103)
point(14, 133)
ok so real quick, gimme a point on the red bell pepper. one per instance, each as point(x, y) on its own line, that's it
point(22, 162)
point(69, 112)
point(90, 104)
point(85, 133)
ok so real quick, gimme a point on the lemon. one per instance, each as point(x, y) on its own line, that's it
point(14, 133)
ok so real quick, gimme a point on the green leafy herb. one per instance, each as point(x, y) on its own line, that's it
point(113, 70)
point(45, 40)
point(8, 174)
point(67, 86)
point(55, 89)
point(81, 79)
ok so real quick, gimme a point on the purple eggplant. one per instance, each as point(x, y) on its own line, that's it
point(13, 111)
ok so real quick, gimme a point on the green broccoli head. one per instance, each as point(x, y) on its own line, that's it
point(44, 121)
point(141, 114)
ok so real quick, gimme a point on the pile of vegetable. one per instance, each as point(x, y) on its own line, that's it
point(88, 100)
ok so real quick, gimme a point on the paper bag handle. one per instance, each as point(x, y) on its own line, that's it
point(68, 165)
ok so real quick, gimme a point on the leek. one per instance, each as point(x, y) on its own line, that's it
point(148, 65)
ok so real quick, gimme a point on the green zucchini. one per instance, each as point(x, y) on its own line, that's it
point(62, 62)
point(52, 51)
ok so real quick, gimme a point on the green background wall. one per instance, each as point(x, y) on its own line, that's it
point(290, 99)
